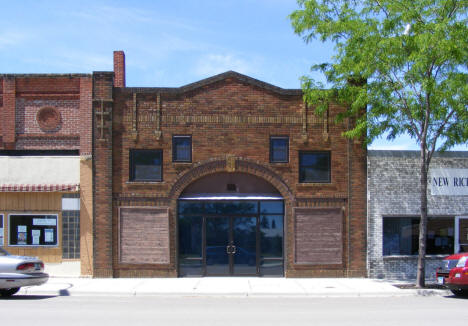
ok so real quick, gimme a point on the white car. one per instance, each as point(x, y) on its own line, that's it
point(19, 271)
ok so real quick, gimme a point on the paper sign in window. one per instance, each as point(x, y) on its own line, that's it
point(49, 235)
point(36, 235)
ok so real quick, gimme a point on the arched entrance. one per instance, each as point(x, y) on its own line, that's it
point(230, 224)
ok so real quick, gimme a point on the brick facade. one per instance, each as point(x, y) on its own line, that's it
point(43, 113)
point(230, 118)
point(393, 186)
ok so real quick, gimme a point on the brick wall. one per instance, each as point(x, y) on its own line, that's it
point(393, 185)
point(229, 115)
point(23, 96)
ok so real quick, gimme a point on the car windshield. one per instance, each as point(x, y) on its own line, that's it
point(449, 264)
point(462, 262)
point(3, 252)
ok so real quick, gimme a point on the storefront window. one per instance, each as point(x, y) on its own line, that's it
point(401, 236)
point(33, 230)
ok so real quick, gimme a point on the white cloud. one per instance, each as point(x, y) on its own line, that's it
point(212, 64)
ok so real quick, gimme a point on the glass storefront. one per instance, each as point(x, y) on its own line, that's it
point(231, 237)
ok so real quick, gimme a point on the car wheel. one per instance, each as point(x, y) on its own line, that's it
point(459, 292)
point(8, 292)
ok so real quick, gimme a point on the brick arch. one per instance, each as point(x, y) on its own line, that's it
point(230, 164)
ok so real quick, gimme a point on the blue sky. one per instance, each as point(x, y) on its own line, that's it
point(167, 43)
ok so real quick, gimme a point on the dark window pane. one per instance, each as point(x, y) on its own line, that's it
point(279, 149)
point(271, 267)
point(440, 236)
point(271, 207)
point(190, 267)
point(146, 165)
point(182, 148)
point(314, 167)
point(191, 207)
point(190, 233)
point(236, 207)
point(400, 236)
point(271, 236)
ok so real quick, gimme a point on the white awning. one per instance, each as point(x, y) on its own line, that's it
point(39, 171)
point(231, 197)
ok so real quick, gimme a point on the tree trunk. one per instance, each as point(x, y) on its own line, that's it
point(421, 275)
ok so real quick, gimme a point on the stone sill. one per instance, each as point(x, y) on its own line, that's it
point(412, 257)
point(315, 185)
point(145, 183)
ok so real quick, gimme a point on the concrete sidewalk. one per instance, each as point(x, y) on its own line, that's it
point(223, 286)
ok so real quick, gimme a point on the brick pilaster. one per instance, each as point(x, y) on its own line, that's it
point(8, 115)
point(102, 180)
point(86, 115)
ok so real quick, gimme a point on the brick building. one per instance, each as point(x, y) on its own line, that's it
point(394, 211)
point(45, 159)
point(225, 176)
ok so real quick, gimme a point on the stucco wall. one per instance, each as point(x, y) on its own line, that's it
point(393, 189)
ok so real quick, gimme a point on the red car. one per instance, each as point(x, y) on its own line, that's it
point(454, 273)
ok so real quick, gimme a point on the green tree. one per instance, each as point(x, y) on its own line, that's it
point(405, 62)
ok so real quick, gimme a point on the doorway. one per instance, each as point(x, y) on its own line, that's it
point(230, 237)
point(231, 246)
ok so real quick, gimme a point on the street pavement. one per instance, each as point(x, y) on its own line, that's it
point(225, 286)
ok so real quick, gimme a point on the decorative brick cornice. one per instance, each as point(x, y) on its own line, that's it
point(212, 80)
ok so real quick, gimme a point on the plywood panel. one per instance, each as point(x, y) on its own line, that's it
point(144, 235)
point(318, 236)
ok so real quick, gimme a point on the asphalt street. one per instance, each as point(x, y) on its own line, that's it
point(193, 311)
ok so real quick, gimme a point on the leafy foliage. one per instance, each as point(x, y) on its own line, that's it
point(406, 61)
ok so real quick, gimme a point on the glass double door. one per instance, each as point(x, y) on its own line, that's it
point(231, 245)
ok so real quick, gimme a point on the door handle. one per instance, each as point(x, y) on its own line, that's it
point(228, 251)
point(233, 249)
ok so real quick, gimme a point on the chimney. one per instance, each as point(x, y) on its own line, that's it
point(119, 69)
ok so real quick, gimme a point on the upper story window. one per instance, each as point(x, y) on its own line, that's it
point(314, 167)
point(279, 149)
point(182, 148)
point(146, 165)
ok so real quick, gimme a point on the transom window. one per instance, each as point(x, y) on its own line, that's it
point(182, 148)
point(279, 149)
point(146, 165)
point(314, 167)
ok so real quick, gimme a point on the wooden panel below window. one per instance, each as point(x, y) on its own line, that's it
point(318, 234)
point(144, 235)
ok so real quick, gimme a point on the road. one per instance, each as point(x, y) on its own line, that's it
point(193, 311)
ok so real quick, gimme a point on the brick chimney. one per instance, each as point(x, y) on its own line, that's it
point(119, 69)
